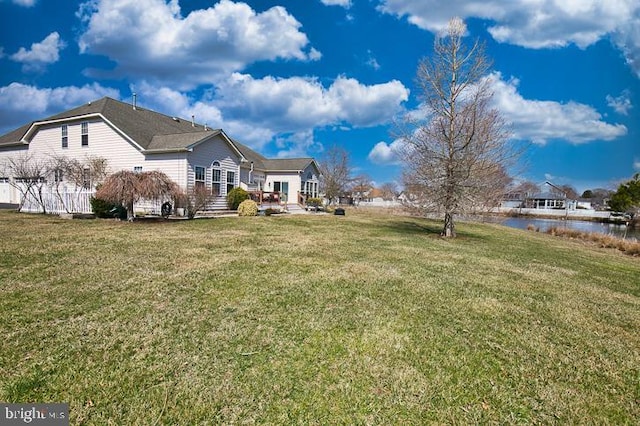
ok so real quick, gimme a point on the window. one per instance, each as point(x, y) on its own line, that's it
point(215, 182)
point(283, 188)
point(58, 175)
point(200, 175)
point(231, 180)
point(85, 133)
point(65, 136)
point(86, 179)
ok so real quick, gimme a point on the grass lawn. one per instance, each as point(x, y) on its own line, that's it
point(363, 319)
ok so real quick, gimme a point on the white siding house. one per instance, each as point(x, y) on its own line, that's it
point(133, 138)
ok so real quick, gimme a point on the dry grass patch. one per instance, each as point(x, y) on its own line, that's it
point(317, 319)
point(629, 247)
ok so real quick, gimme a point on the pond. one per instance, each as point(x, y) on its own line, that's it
point(544, 224)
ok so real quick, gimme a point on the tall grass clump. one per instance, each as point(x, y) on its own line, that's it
point(630, 247)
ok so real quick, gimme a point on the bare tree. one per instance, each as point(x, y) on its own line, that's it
point(360, 187)
point(457, 153)
point(335, 172)
point(29, 178)
point(569, 192)
point(126, 187)
point(81, 175)
point(389, 191)
point(195, 200)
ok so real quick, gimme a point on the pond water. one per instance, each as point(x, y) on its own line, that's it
point(544, 224)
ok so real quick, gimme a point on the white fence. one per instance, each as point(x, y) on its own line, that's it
point(76, 202)
point(58, 202)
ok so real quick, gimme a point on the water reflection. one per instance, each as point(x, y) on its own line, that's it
point(544, 224)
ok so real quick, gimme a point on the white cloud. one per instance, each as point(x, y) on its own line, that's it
point(620, 104)
point(284, 111)
point(536, 23)
point(372, 61)
point(295, 104)
point(45, 52)
point(627, 38)
point(344, 3)
point(25, 3)
point(298, 144)
point(383, 153)
point(20, 103)
point(636, 164)
point(537, 121)
point(540, 121)
point(151, 39)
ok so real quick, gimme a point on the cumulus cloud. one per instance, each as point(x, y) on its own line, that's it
point(536, 24)
point(297, 103)
point(41, 54)
point(20, 103)
point(282, 111)
point(620, 104)
point(386, 154)
point(151, 39)
point(541, 121)
point(343, 3)
point(532, 120)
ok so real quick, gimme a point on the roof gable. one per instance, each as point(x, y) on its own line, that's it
point(146, 128)
point(154, 132)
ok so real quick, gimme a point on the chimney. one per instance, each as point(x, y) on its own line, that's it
point(135, 100)
point(193, 121)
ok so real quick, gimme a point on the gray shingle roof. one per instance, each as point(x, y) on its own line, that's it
point(269, 165)
point(154, 131)
point(140, 124)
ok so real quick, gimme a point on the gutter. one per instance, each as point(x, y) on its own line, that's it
point(166, 151)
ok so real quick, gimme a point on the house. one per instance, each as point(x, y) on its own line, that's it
point(545, 201)
point(129, 137)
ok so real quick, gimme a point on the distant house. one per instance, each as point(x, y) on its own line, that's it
point(545, 201)
point(132, 138)
point(584, 203)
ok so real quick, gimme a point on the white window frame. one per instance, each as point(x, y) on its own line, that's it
point(64, 130)
point(199, 182)
point(84, 133)
point(216, 184)
point(231, 184)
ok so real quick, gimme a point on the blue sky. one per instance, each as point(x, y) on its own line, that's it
point(294, 77)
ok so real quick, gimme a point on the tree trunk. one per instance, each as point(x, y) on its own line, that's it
point(129, 208)
point(449, 230)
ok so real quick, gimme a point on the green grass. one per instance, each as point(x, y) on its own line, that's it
point(363, 319)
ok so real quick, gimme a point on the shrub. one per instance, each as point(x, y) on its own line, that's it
point(104, 209)
point(315, 203)
point(235, 197)
point(195, 200)
point(248, 208)
point(270, 211)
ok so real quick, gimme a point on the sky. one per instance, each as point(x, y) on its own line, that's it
point(297, 77)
